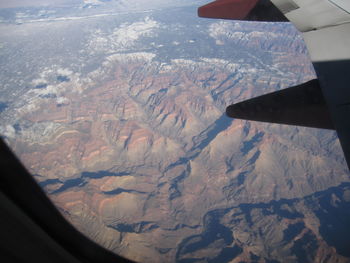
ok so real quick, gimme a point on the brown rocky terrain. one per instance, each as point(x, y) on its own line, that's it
point(139, 156)
point(147, 165)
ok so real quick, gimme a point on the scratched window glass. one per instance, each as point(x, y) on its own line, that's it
point(117, 109)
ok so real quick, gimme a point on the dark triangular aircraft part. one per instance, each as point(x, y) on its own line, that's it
point(302, 105)
point(265, 11)
point(254, 10)
point(334, 77)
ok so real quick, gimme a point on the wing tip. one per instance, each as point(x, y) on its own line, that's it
point(251, 10)
point(227, 9)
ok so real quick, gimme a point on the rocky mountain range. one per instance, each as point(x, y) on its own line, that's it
point(123, 125)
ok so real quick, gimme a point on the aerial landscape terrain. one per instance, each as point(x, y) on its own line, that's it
point(117, 108)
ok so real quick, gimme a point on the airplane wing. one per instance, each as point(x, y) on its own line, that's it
point(321, 103)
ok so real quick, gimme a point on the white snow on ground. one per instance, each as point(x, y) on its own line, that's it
point(138, 56)
point(91, 2)
point(127, 34)
point(8, 131)
point(233, 30)
point(122, 38)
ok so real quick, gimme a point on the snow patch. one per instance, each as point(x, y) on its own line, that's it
point(138, 56)
point(127, 34)
point(8, 131)
point(123, 38)
point(62, 100)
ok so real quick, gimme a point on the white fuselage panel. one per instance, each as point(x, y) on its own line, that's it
point(325, 25)
point(343, 4)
